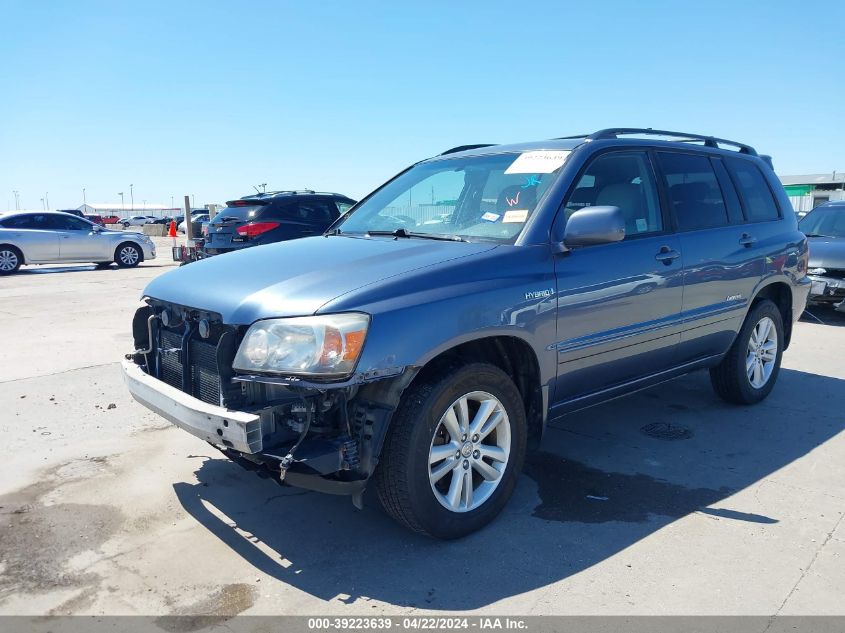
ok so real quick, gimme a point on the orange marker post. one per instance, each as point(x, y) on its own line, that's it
point(172, 232)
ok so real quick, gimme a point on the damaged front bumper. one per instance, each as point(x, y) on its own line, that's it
point(827, 291)
point(335, 462)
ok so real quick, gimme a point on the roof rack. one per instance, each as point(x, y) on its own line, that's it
point(463, 148)
point(684, 137)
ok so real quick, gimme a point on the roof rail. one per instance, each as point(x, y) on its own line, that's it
point(463, 148)
point(685, 137)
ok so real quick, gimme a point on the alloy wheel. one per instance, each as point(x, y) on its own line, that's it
point(128, 255)
point(469, 452)
point(762, 352)
point(8, 260)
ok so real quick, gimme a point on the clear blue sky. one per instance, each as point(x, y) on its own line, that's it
point(210, 98)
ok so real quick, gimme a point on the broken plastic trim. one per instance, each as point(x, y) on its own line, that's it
point(296, 381)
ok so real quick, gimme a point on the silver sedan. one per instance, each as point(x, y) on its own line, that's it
point(53, 237)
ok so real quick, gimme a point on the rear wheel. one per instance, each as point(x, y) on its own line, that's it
point(454, 451)
point(749, 370)
point(10, 260)
point(127, 255)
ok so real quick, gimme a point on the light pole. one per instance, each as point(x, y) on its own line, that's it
point(47, 198)
point(131, 200)
point(84, 201)
point(122, 206)
point(43, 208)
point(17, 199)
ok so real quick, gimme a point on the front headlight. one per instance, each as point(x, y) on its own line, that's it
point(326, 345)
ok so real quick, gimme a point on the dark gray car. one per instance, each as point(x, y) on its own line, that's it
point(424, 341)
point(825, 228)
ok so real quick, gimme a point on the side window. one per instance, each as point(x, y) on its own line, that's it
point(756, 196)
point(728, 191)
point(694, 192)
point(343, 207)
point(68, 223)
point(624, 180)
point(19, 222)
point(318, 211)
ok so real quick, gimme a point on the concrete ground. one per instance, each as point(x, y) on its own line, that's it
point(107, 509)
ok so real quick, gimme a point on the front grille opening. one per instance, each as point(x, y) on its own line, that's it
point(203, 381)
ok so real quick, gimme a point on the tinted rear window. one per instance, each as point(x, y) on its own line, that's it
point(757, 198)
point(244, 214)
point(694, 191)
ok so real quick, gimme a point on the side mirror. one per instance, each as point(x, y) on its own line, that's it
point(96, 229)
point(594, 225)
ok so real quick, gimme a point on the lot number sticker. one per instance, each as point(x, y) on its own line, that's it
point(515, 215)
point(538, 162)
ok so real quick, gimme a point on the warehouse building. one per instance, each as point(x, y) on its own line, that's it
point(126, 210)
point(810, 190)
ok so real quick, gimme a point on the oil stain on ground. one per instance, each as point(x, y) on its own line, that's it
point(574, 492)
point(222, 605)
point(38, 540)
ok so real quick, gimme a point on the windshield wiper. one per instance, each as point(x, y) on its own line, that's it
point(424, 236)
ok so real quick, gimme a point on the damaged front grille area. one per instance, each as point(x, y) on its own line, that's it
point(188, 362)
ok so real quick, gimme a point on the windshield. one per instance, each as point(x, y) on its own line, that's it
point(824, 221)
point(481, 198)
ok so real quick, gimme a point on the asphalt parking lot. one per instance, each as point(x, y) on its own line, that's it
point(666, 502)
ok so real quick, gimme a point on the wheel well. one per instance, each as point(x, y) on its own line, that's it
point(780, 294)
point(15, 248)
point(513, 356)
point(130, 243)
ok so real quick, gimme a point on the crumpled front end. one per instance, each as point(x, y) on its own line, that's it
point(324, 437)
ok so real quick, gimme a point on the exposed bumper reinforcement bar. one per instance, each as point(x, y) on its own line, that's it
point(297, 479)
point(238, 430)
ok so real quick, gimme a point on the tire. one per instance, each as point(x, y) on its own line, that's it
point(10, 260)
point(404, 477)
point(731, 379)
point(127, 255)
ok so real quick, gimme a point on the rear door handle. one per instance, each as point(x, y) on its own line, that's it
point(667, 255)
point(747, 240)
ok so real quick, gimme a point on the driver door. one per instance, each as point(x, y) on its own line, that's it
point(78, 241)
point(619, 304)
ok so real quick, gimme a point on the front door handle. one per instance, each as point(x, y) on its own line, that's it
point(667, 255)
point(747, 240)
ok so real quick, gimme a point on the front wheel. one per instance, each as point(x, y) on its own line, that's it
point(127, 255)
point(749, 370)
point(454, 451)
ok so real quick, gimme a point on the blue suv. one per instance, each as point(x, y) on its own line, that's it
point(422, 344)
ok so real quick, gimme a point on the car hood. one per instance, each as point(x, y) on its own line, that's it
point(827, 252)
point(297, 277)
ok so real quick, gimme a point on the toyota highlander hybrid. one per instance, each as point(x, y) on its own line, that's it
point(423, 343)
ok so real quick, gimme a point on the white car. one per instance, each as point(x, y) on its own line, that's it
point(196, 217)
point(137, 220)
point(50, 237)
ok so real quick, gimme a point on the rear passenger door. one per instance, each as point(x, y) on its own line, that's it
point(722, 262)
point(618, 304)
point(33, 234)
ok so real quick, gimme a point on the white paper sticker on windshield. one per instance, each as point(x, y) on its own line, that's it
point(490, 217)
point(539, 162)
point(515, 215)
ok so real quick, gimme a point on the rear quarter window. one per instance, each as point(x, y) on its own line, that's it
point(757, 199)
